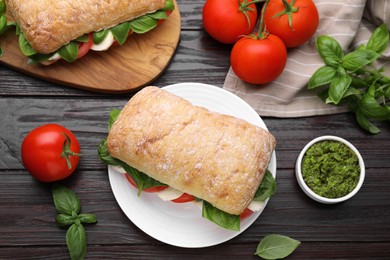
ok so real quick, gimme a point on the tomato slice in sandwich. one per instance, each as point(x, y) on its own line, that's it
point(84, 47)
point(247, 212)
point(185, 197)
point(151, 189)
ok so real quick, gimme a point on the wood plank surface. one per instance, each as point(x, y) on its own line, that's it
point(356, 229)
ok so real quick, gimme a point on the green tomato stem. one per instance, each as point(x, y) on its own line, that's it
point(262, 33)
point(289, 9)
point(66, 152)
point(244, 8)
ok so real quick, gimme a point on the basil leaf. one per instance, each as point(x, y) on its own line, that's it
point(82, 38)
point(158, 15)
point(3, 24)
point(379, 40)
point(387, 92)
point(169, 5)
point(65, 220)
point(113, 116)
point(69, 52)
point(142, 180)
point(87, 218)
point(365, 123)
point(76, 240)
point(267, 187)
point(143, 24)
point(321, 77)
point(276, 247)
point(25, 47)
point(370, 107)
point(2, 7)
point(352, 92)
point(220, 217)
point(358, 59)
point(37, 58)
point(105, 156)
point(121, 32)
point(329, 50)
point(65, 200)
point(99, 36)
point(338, 86)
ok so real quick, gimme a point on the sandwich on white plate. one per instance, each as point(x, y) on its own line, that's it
point(49, 31)
point(185, 153)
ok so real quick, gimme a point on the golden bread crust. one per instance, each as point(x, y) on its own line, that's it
point(215, 157)
point(50, 24)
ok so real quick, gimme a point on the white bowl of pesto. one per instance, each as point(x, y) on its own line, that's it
point(330, 169)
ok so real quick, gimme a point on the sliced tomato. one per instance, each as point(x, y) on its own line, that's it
point(84, 47)
point(151, 189)
point(168, 12)
point(247, 212)
point(185, 197)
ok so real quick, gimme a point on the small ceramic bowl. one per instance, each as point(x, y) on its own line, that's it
point(310, 192)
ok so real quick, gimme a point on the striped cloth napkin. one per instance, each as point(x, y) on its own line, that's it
point(351, 23)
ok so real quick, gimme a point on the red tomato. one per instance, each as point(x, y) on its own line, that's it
point(84, 47)
point(151, 189)
point(185, 197)
point(50, 152)
point(304, 19)
point(247, 212)
point(224, 20)
point(258, 61)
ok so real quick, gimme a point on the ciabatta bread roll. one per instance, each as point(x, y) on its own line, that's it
point(215, 157)
point(48, 24)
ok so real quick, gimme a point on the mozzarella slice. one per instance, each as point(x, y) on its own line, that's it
point(169, 194)
point(256, 205)
point(119, 169)
point(56, 56)
point(105, 44)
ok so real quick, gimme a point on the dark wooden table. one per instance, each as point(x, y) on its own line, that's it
point(356, 229)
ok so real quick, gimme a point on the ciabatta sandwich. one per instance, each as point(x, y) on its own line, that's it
point(214, 157)
point(68, 29)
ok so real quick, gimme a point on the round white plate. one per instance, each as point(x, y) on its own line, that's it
point(179, 224)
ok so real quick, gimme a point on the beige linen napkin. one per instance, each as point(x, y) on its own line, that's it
point(351, 23)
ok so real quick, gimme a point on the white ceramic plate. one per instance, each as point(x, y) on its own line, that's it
point(178, 224)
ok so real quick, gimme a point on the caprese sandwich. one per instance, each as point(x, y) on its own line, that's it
point(49, 31)
point(185, 153)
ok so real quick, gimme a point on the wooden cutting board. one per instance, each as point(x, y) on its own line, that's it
point(120, 69)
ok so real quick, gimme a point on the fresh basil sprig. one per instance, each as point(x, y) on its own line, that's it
point(68, 205)
point(352, 79)
point(276, 247)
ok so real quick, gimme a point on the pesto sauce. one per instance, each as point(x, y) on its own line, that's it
point(330, 169)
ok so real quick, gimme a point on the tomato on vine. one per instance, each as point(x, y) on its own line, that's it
point(259, 58)
point(50, 152)
point(227, 20)
point(294, 21)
